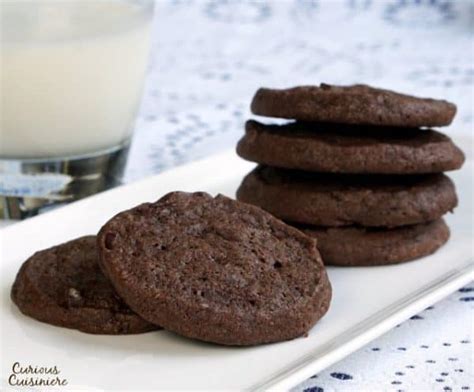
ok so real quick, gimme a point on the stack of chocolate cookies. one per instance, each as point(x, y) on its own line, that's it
point(359, 169)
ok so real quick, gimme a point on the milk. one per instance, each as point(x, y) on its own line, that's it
point(71, 75)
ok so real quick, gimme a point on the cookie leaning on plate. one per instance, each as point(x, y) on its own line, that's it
point(358, 246)
point(343, 199)
point(338, 148)
point(357, 104)
point(64, 286)
point(215, 269)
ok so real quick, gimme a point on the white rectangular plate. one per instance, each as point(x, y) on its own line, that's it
point(366, 303)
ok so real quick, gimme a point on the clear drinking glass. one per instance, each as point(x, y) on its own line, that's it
point(71, 78)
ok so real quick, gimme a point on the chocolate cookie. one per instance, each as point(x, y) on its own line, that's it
point(345, 199)
point(357, 246)
point(64, 286)
point(337, 148)
point(357, 104)
point(215, 269)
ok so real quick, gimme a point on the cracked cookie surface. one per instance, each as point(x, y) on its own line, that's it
point(214, 269)
point(64, 286)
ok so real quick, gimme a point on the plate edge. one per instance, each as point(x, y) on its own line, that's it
point(367, 330)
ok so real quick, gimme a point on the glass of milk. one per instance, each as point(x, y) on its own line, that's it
point(71, 79)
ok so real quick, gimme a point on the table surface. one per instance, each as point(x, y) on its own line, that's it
point(209, 57)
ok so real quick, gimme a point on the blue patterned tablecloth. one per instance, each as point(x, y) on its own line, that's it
point(208, 59)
